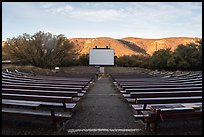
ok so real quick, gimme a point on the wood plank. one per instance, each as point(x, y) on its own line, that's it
point(163, 89)
point(168, 100)
point(16, 102)
point(41, 84)
point(40, 92)
point(41, 87)
point(165, 94)
point(37, 97)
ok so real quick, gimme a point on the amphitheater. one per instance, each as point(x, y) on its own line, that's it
point(135, 102)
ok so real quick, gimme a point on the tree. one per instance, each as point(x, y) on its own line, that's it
point(131, 61)
point(189, 57)
point(159, 59)
point(84, 60)
point(41, 49)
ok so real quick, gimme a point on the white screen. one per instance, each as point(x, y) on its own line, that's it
point(101, 57)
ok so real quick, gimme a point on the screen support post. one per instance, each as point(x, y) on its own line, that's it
point(101, 70)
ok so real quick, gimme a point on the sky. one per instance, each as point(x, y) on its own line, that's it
point(103, 19)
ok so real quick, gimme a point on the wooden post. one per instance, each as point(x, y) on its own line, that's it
point(64, 105)
point(53, 119)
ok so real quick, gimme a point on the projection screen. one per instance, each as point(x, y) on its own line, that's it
point(101, 57)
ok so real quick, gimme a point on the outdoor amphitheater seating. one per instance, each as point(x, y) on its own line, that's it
point(162, 96)
point(42, 97)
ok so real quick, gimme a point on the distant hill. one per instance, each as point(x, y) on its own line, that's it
point(121, 48)
point(131, 45)
point(151, 45)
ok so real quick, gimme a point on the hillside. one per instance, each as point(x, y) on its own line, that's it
point(130, 45)
point(85, 44)
point(151, 45)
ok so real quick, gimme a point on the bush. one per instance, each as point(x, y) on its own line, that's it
point(187, 57)
point(131, 61)
point(159, 59)
point(83, 60)
point(41, 49)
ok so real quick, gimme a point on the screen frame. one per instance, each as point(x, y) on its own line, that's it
point(102, 64)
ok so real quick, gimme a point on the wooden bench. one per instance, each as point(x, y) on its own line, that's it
point(42, 92)
point(140, 80)
point(41, 84)
point(41, 87)
point(56, 79)
point(163, 89)
point(159, 114)
point(156, 83)
point(44, 82)
point(49, 100)
point(162, 79)
point(185, 80)
point(161, 86)
point(37, 97)
point(148, 92)
point(23, 103)
point(139, 107)
point(35, 104)
point(56, 117)
point(166, 100)
point(165, 94)
point(74, 94)
point(23, 96)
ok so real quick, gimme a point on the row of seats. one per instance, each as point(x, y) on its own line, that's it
point(158, 97)
point(45, 97)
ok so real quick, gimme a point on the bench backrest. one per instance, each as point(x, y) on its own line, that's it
point(160, 86)
point(156, 83)
point(167, 100)
point(59, 99)
point(41, 84)
point(40, 92)
point(47, 79)
point(165, 94)
point(41, 87)
point(163, 89)
point(44, 82)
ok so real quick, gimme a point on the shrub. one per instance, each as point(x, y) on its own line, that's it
point(159, 59)
point(41, 49)
point(131, 61)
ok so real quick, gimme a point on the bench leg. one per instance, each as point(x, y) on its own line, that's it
point(54, 122)
point(147, 126)
point(34, 108)
point(64, 106)
point(154, 127)
point(63, 125)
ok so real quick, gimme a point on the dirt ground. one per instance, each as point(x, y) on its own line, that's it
point(80, 70)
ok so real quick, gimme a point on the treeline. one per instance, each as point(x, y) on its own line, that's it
point(48, 51)
point(185, 57)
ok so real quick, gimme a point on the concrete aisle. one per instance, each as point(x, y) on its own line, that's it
point(103, 111)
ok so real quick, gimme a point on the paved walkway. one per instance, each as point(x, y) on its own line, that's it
point(103, 111)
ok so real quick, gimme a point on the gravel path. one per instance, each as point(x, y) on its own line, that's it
point(103, 109)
